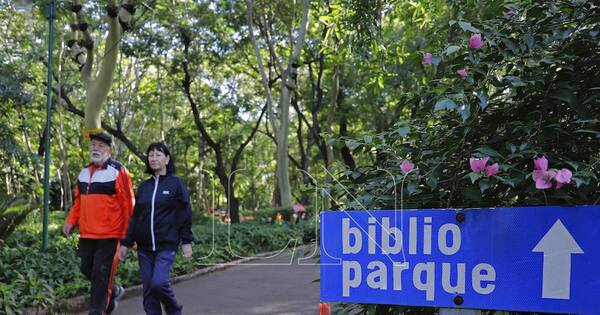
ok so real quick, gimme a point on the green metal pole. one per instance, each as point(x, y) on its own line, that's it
point(51, 13)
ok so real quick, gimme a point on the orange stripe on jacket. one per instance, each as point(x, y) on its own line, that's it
point(113, 273)
point(104, 201)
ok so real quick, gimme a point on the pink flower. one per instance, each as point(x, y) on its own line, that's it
point(563, 176)
point(462, 73)
point(406, 167)
point(427, 58)
point(541, 163)
point(543, 178)
point(475, 41)
point(492, 169)
point(478, 165)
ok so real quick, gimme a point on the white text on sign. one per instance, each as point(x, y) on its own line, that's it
point(424, 273)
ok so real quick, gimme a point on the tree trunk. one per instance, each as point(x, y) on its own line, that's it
point(67, 199)
point(283, 174)
point(343, 121)
point(97, 86)
point(288, 76)
point(36, 174)
point(329, 157)
point(200, 195)
point(227, 182)
point(66, 179)
point(160, 103)
point(276, 197)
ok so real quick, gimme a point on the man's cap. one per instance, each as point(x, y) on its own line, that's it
point(102, 137)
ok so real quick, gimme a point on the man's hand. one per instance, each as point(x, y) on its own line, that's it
point(67, 229)
point(123, 253)
point(186, 250)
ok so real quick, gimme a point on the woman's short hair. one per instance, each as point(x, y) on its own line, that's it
point(159, 146)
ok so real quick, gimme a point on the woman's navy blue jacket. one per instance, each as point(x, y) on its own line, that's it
point(162, 216)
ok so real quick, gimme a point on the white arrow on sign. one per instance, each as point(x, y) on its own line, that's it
point(557, 245)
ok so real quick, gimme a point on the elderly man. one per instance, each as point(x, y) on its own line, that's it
point(103, 205)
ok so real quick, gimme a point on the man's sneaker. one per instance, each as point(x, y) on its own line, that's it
point(116, 296)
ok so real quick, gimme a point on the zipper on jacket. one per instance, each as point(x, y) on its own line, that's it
point(90, 181)
point(152, 213)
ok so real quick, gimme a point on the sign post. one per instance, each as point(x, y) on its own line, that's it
point(538, 259)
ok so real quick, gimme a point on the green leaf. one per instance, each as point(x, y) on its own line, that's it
point(581, 181)
point(473, 194)
point(523, 146)
point(403, 131)
point(574, 165)
point(587, 131)
point(511, 147)
point(515, 81)
point(489, 152)
point(451, 49)
point(352, 144)
point(529, 40)
point(465, 112)
point(432, 181)
point(411, 187)
point(506, 180)
point(484, 185)
point(368, 139)
point(483, 99)
point(475, 176)
point(445, 104)
point(466, 26)
point(510, 45)
point(565, 96)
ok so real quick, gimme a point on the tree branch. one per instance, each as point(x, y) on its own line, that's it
point(88, 43)
point(109, 61)
point(238, 152)
point(187, 82)
point(115, 132)
point(265, 81)
point(290, 157)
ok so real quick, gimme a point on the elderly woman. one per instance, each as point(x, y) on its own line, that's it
point(161, 222)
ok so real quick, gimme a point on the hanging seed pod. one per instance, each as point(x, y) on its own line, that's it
point(112, 11)
point(80, 58)
point(124, 18)
point(71, 42)
point(76, 8)
point(88, 44)
point(83, 26)
point(129, 7)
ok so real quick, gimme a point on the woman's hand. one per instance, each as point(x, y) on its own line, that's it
point(186, 250)
point(123, 253)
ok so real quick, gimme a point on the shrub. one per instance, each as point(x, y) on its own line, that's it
point(13, 211)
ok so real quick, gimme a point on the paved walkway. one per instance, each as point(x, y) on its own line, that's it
point(252, 288)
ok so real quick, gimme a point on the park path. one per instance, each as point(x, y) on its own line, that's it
point(276, 285)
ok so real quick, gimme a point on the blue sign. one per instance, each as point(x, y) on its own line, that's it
point(543, 259)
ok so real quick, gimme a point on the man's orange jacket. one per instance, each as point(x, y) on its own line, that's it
point(104, 201)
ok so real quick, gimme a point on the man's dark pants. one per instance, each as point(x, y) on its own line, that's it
point(99, 261)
